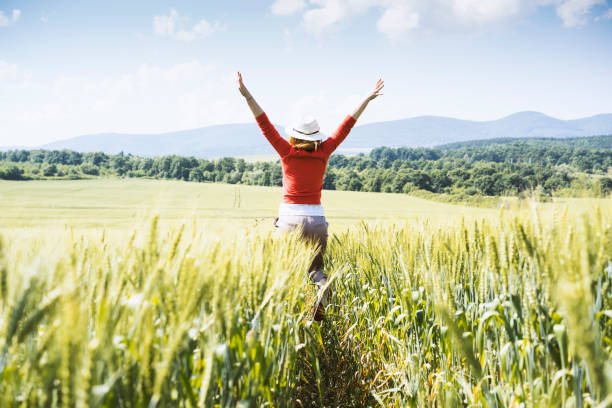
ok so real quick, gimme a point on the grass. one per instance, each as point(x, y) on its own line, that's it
point(114, 203)
point(432, 305)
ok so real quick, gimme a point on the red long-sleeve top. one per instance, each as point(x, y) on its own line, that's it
point(303, 171)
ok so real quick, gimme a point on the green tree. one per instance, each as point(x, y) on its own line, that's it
point(605, 184)
point(12, 172)
point(90, 169)
point(50, 170)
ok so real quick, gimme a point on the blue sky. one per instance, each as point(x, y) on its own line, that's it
point(72, 68)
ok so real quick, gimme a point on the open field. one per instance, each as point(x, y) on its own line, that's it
point(123, 203)
point(103, 304)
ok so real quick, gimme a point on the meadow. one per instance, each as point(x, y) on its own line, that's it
point(124, 204)
point(124, 293)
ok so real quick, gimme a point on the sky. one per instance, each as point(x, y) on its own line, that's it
point(69, 68)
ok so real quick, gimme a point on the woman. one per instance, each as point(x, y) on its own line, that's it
point(304, 160)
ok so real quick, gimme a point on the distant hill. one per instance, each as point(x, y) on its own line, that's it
point(429, 131)
point(426, 131)
point(603, 142)
point(210, 141)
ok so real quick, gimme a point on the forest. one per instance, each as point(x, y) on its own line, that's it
point(577, 167)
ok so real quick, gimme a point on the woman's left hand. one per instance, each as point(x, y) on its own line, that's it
point(377, 90)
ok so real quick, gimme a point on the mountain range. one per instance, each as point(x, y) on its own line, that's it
point(426, 131)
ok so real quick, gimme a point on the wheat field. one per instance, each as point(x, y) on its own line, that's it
point(125, 203)
point(105, 302)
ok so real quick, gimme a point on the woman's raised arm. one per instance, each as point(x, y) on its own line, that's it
point(279, 144)
point(342, 132)
point(376, 92)
point(255, 108)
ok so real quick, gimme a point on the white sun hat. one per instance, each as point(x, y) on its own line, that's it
point(306, 128)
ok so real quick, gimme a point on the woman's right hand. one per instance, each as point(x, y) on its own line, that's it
point(242, 88)
point(255, 108)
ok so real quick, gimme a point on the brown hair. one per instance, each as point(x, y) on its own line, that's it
point(301, 144)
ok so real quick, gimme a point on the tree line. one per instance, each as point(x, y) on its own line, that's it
point(489, 170)
point(590, 142)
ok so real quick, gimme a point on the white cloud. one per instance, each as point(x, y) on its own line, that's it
point(174, 26)
point(605, 16)
point(575, 12)
point(397, 21)
point(479, 11)
point(8, 71)
point(399, 17)
point(44, 17)
point(165, 25)
point(287, 7)
point(6, 20)
point(321, 18)
point(202, 29)
point(328, 13)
